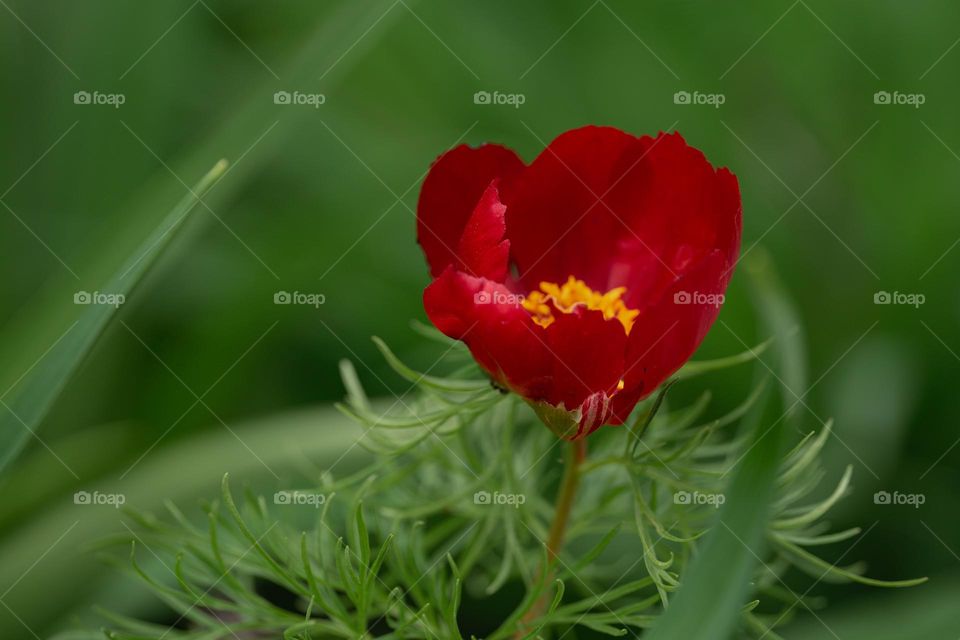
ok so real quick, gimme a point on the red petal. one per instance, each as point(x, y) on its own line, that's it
point(450, 193)
point(617, 210)
point(665, 335)
point(550, 234)
point(482, 251)
point(588, 356)
point(579, 354)
point(499, 332)
point(679, 210)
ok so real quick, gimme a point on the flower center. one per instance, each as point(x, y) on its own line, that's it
point(575, 292)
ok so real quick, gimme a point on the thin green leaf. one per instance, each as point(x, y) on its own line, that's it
point(696, 368)
point(31, 398)
point(701, 611)
point(432, 382)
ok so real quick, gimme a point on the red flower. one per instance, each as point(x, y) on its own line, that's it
point(585, 279)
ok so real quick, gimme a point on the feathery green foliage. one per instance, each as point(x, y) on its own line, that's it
point(455, 511)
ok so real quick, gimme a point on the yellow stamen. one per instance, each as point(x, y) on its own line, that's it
point(575, 292)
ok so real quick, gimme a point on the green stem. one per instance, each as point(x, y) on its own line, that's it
point(568, 491)
point(576, 454)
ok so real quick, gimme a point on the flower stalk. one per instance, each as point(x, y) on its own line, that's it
point(576, 454)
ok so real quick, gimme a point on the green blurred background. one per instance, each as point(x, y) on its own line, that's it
point(202, 373)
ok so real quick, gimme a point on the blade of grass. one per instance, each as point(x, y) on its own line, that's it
point(251, 131)
point(28, 401)
point(712, 594)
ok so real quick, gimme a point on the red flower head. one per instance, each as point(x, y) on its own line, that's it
point(585, 279)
